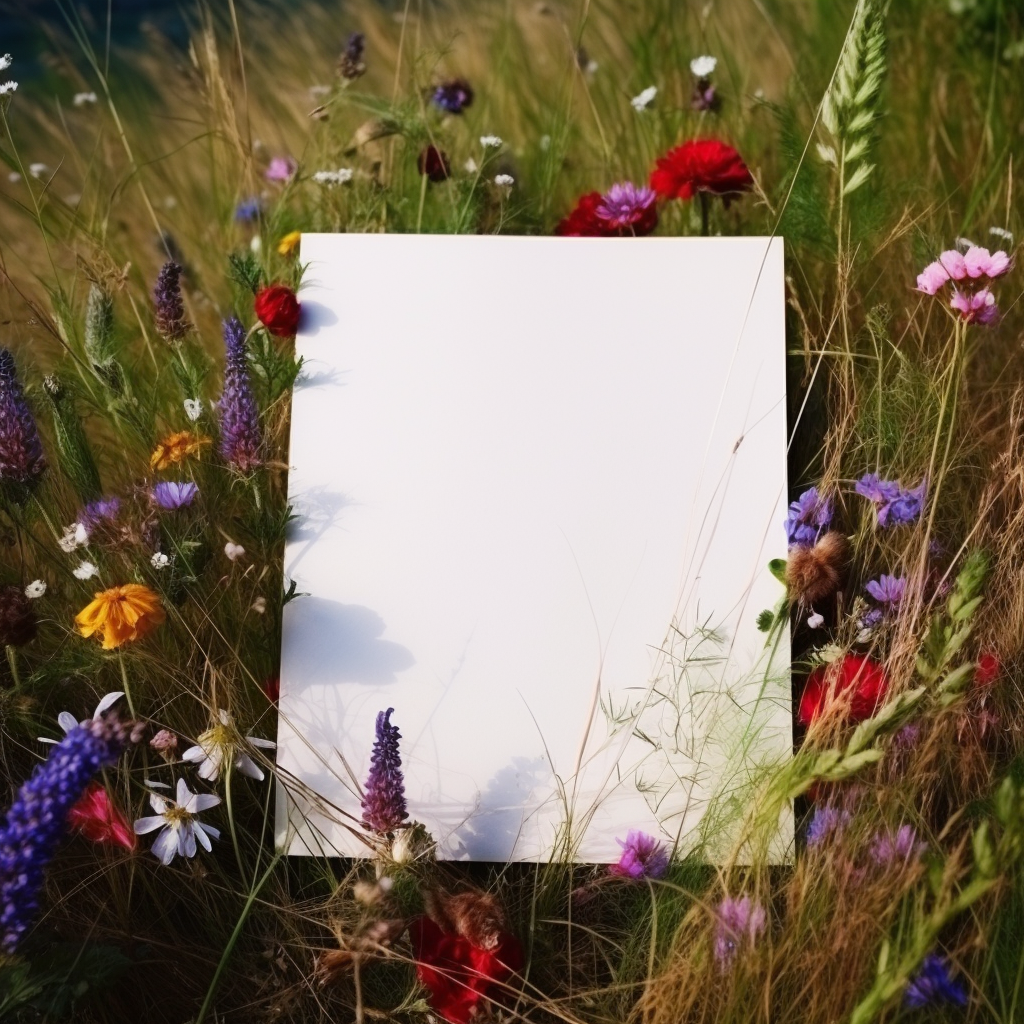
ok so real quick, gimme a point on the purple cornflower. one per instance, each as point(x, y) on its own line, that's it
point(808, 517)
point(828, 822)
point(248, 210)
point(739, 922)
point(171, 494)
point(894, 505)
point(642, 857)
point(170, 310)
point(21, 452)
point(887, 849)
point(241, 440)
point(887, 589)
point(626, 204)
point(280, 168)
point(453, 96)
point(96, 513)
point(934, 983)
point(38, 817)
point(384, 802)
point(871, 618)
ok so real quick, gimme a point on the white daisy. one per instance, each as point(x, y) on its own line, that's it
point(6, 61)
point(338, 177)
point(8, 87)
point(75, 536)
point(68, 722)
point(85, 571)
point(159, 560)
point(490, 141)
point(645, 98)
point(703, 67)
point(81, 98)
point(179, 823)
point(193, 409)
point(35, 589)
point(223, 744)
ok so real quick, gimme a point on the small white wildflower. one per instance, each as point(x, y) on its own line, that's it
point(222, 745)
point(14, 177)
point(490, 141)
point(1002, 234)
point(545, 143)
point(8, 87)
point(259, 606)
point(234, 551)
point(645, 98)
point(159, 560)
point(256, 244)
point(703, 67)
point(471, 166)
point(6, 61)
point(964, 243)
point(81, 98)
point(75, 536)
point(37, 170)
point(504, 180)
point(35, 589)
point(815, 621)
point(179, 823)
point(85, 571)
point(591, 67)
point(193, 409)
point(341, 176)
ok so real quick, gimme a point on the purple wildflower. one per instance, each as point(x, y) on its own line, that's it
point(808, 517)
point(351, 64)
point(96, 513)
point(240, 438)
point(626, 204)
point(453, 96)
point(21, 452)
point(887, 849)
point(384, 802)
point(887, 589)
point(934, 983)
point(642, 857)
point(280, 168)
point(739, 922)
point(171, 494)
point(170, 310)
point(871, 618)
point(248, 210)
point(828, 822)
point(38, 817)
point(895, 505)
point(704, 96)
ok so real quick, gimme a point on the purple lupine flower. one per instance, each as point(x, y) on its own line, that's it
point(934, 983)
point(37, 819)
point(170, 494)
point(642, 857)
point(808, 517)
point(241, 440)
point(170, 310)
point(625, 205)
point(828, 822)
point(898, 848)
point(894, 505)
point(21, 452)
point(248, 210)
point(384, 802)
point(453, 96)
point(739, 922)
point(887, 589)
point(96, 513)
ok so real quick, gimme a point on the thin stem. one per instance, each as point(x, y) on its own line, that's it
point(705, 214)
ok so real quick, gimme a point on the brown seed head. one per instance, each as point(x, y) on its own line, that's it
point(814, 573)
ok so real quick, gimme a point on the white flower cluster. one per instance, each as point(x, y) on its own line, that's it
point(703, 67)
point(341, 176)
point(81, 98)
point(490, 141)
point(75, 536)
point(644, 99)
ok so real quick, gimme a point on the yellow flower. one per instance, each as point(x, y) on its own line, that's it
point(176, 448)
point(121, 614)
point(289, 243)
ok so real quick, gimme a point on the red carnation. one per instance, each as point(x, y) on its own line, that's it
point(701, 165)
point(854, 681)
point(584, 222)
point(278, 310)
point(461, 977)
point(433, 162)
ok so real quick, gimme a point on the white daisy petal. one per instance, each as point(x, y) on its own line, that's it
point(199, 833)
point(108, 701)
point(67, 721)
point(187, 843)
point(166, 845)
point(201, 802)
point(246, 766)
point(183, 792)
point(159, 803)
point(194, 754)
point(151, 824)
point(209, 830)
point(266, 744)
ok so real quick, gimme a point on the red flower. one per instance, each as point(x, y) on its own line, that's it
point(433, 162)
point(99, 819)
point(278, 310)
point(584, 222)
point(272, 688)
point(701, 165)
point(461, 977)
point(854, 681)
point(987, 670)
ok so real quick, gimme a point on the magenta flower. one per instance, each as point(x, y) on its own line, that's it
point(629, 206)
point(281, 168)
point(739, 923)
point(979, 308)
point(975, 305)
point(642, 857)
point(979, 262)
point(954, 264)
point(932, 278)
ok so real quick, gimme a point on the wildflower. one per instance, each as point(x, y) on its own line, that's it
point(121, 614)
point(490, 141)
point(384, 800)
point(739, 922)
point(979, 262)
point(828, 822)
point(628, 209)
point(1002, 234)
point(222, 745)
point(75, 536)
point(6, 61)
point(259, 606)
point(234, 551)
point(703, 67)
point(894, 504)
point(8, 87)
point(975, 305)
point(505, 181)
point(278, 310)
point(176, 448)
point(159, 560)
point(815, 620)
point(170, 310)
point(887, 849)
point(37, 170)
point(934, 983)
point(460, 977)
point(272, 688)
point(701, 165)
point(433, 164)
point(289, 243)
point(339, 177)
point(815, 572)
point(977, 308)
point(170, 494)
point(986, 672)
point(248, 210)
point(853, 681)
point(97, 513)
point(38, 818)
point(100, 820)
point(241, 440)
point(281, 168)
point(165, 743)
point(584, 221)
point(81, 98)
point(18, 622)
point(193, 409)
point(412, 843)
point(35, 590)
point(453, 96)
point(85, 571)
point(179, 823)
point(642, 857)
point(808, 516)
point(868, 621)
point(21, 452)
point(704, 96)
point(644, 98)
point(470, 166)
point(887, 589)
point(351, 64)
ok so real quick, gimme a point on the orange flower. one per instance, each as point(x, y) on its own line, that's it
point(121, 614)
point(176, 448)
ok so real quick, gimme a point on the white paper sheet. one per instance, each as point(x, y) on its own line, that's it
point(527, 470)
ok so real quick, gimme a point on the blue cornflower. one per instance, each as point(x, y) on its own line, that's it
point(104, 510)
point(828, 822)
point(21, 452)
point(248, 210)
point(241, 440)
point(894, 505)
point(453, 96)
point(887, 589)
point(384, 802)
point(808, 517)
point(171, 494)
point(934, 983)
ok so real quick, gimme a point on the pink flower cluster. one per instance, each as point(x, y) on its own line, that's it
point(976, 305)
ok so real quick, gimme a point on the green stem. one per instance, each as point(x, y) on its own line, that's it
point(12, 660)
point(705, 214)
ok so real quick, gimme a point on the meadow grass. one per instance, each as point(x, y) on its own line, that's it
point(877, 135)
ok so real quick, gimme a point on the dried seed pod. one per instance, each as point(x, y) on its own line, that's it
point(473, 914)
point(814, 573)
